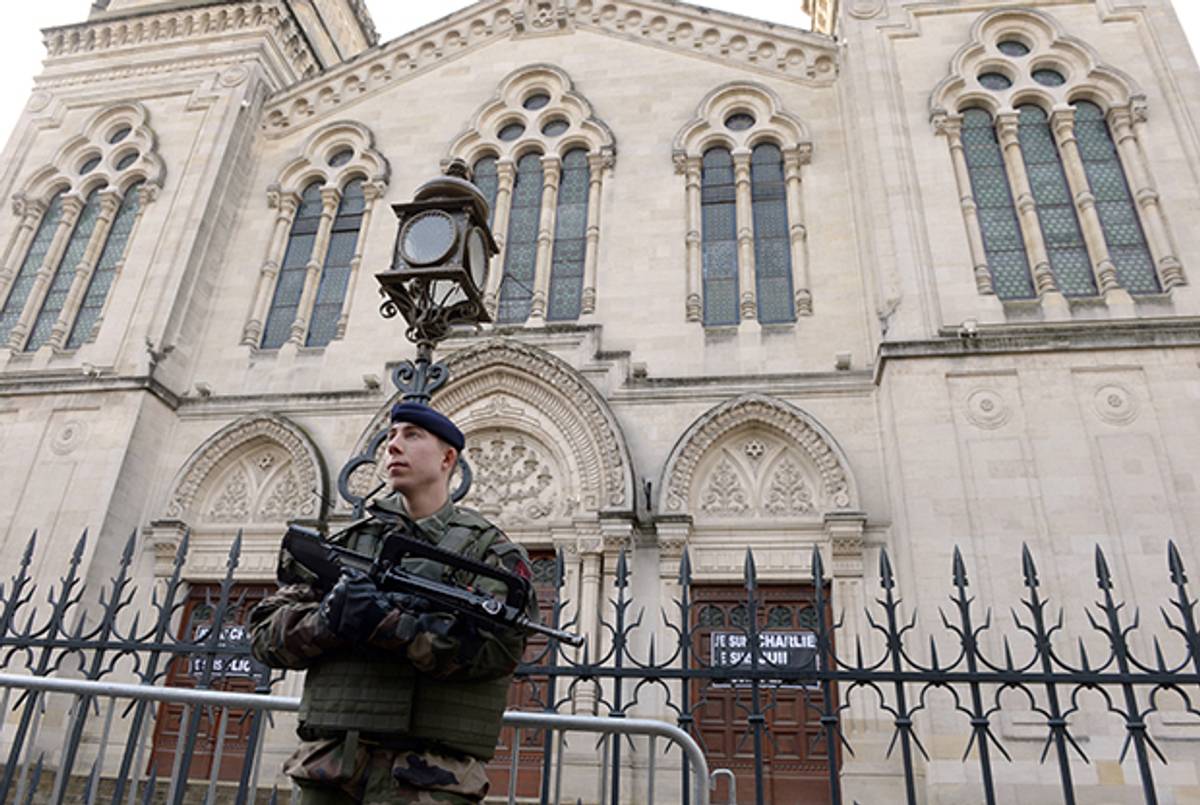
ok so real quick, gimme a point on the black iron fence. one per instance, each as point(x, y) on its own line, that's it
point(765, 683)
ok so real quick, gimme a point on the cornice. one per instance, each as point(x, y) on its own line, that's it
point(201, 23)
point(767, 48)
point(364, 21)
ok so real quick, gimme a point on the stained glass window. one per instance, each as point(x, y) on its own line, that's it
point(1065, 246)
point(331, 291)
point(18, 293)
point(64, 274)
point(106, 269)
point(1011, 47)
point(718, 206)
point(520, 248)
point(570, 238)
point(1002, 240)
point(772, 247)
point(994, 81)
point(1049, 78)
point(486, 179)
point(1114, 203)
point(290, 283)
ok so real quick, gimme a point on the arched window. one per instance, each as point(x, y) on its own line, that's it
point(343, 239)
point(1114, 204)
point(746, 243)
point(719, 233)
point(292, 272)
point(1065, 131)
point(18, 293)
point(539, 156)
point(570, 238)
point(64, 274)
point(521, 245)
point(1055, 207)
point(106, 268)
point(487, 180)
point(772, 246)
point(997, 214)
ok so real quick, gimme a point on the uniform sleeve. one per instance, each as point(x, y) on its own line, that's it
point(450, 647)
point(286, 630)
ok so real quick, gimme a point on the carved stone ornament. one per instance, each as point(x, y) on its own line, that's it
point(514, 482)
point(803, 454)
point(260, 467)
point(758, 47)
point(724, 495)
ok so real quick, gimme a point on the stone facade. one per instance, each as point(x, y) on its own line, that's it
point(907, 405)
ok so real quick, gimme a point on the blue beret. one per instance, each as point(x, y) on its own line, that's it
point(433, 421)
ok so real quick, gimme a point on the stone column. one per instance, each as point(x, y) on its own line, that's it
point(286, 203)
point(690, 167)
point(1127, 127)
point(748, 304)
point(551, 173)
point(598, 165)
point(372, 192)
point(330, 198)
point(951, 127)
point(31, 213)
point(1008, 133)
point(72, 206)
point(506, 174)
point(1062, 123)
point(110, 202)
point(793, 159)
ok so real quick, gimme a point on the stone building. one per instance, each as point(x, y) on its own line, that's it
point(918, 278)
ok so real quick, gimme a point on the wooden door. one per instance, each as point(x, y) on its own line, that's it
point(240, 675)
point(795, 759)
point(528, 694)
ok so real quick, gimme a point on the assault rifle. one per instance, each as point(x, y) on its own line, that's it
point(326, 561)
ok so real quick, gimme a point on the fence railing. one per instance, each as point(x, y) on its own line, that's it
point(746, 652)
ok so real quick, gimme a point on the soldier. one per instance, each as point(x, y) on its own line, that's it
point(400, 704)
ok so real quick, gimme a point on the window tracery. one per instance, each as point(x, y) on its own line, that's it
point(77, 216)
point(324, 200)
point(1043, 135)
point(540, 157)
point(747, 250)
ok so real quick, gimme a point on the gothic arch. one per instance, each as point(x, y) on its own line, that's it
point(806, 450)
point(301, 481)
point(771, 122)
point(323, 158)
point(503, 387)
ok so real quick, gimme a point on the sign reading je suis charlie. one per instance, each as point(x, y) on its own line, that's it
point(791, 651)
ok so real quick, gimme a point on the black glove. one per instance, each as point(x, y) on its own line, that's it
point(355, 606)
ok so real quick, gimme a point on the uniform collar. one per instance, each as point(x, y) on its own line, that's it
point(430, 528)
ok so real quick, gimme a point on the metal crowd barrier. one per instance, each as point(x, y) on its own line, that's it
point(515, 719)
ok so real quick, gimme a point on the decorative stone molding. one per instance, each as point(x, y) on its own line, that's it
point(95, 141)
point(517, 387)
point(771, 49)
point(217, 481)
point(1049, 48)
point(517, 480)
point(714, 438)
point(506, 106)
point(312, 164)
point(771, 123)
point(194, 23)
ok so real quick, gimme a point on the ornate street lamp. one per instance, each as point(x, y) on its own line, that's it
point(436, 280)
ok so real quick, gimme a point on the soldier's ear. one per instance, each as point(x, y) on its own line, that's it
point(449, 457)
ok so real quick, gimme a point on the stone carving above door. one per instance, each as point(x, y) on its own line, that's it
point(756, 475)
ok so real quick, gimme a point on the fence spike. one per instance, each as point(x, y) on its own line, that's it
point(749, 570)
point(933, 653)
point(235, 552)
point(818, 568)
point(1028, 568)
point(685, 569)
point(182, 548)
point(960, 569)
point(1158, 656)
point(1083, 656)
point(127, 552)
point(622, 570)
point(886, 580)
point(27, 557)
point(652, 650)
point(1175, 564)
point(1008, 657)
point(77, 553)
point(559, 569)
point(1103, 577)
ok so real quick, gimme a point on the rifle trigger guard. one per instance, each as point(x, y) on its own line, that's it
point(491, 606)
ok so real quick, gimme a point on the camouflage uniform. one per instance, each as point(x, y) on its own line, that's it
point(287, 631)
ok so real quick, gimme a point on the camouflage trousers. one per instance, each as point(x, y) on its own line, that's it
point(341, 771)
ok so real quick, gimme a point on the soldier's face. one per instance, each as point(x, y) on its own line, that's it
point(417, 460)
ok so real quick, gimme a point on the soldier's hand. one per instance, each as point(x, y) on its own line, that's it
point(355, 606)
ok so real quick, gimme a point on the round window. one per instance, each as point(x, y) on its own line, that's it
point(511, 132)
point(1049, 78)
point(1011, 47)
point(994, 81)
point(340, 158)
point(555, 127)
point(119, 134)
point(536, 101)
point(739, 121)
point(127, 160)
point(89, 166)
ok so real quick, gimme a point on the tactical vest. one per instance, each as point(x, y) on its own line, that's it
point(384, 694)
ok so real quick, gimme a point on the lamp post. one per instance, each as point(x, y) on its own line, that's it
point(435, 282)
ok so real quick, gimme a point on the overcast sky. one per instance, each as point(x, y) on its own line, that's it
point(21, 47)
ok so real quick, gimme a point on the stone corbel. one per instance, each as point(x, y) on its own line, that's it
point(164, 537)
point(844, 531)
